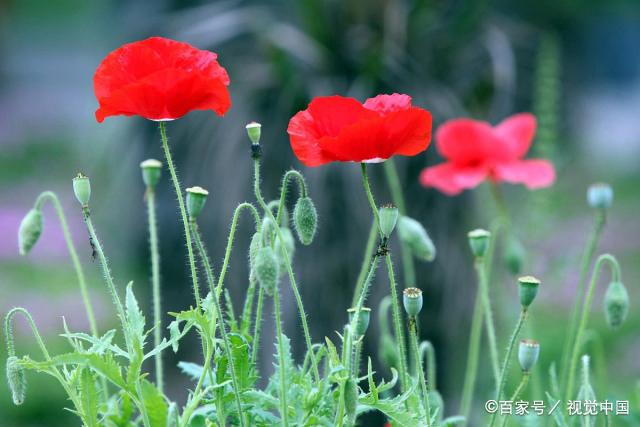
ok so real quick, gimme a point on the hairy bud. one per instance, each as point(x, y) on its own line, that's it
point(350, 398)
point(16, 379)
point(305, 220)
point(413, 234)
point(30, 230)
point(267, 269)
point(616, 304)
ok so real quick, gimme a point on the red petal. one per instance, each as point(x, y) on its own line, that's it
point(452, 179)
point(465, 141)
point(516, 134)
point(532, 173)
point(385, 104)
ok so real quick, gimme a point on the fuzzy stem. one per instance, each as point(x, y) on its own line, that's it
point(370, 199)
point(247, 308)
point(356, 358)
point(197, 397)
point(473, 355)
point(256, 330)
point(507, 358)
point(302, 189)
point(183, 212)
point(292, 279)
point(366, 261)
point(483, 288)
point(428, 354)
point(413, 337)
point(283, 382)
point(155, 282)
point(73, 254)
point(393, 180)
point(584, 318)
point(523, 384)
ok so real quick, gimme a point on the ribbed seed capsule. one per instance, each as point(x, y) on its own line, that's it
point(414, 235)
point(267, 270)
point(616, 304)
point(196, 198)
point(388, 215)
point(479, 242)
point(82, 189)
point(528, 289)
point(600, 196)
point(17, 380)
point(305, 220)
point(151, 171)
point(528, 353)
point(30, 231)
point(412, 300)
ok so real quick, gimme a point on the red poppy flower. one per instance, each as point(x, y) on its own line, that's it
point(477, 151)
point(339, 129)
point(160, 79)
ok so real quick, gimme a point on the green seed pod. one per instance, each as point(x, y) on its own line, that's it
point(412, 301)
point(600, 196)
point(479, 242)
point(362, 322)
point(436, 403)
point(350, 398)
point(388, 215)
point(151, 171)
point(82, 189)
point(514, 256)
point(254, 131)
point(289, 244)
point(17, 380)
point(528, 289)
point(196, 198)
point(30, 230)
point(267, 269)
point(388, 351)
point(305, 220)
point(413, 234)
point(528, 353)
point(616, 304)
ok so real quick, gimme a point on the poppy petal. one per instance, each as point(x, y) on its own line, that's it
point(465, 141)
point(516, 134)
point(385, 104)
point(452, 179)
point(532, 173)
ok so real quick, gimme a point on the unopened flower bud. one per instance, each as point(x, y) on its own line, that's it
point(412, 300)
point(151, 171)
point(436, 403)
point(388, 218)
point(413, 234)
point(267, 269)
point(173, 418)
point(600, 196)
point(514, 256)
point(305, 220)
point(479, 242)
point(350, 398)
point(388, 351)
point(254, 131)
point(82, 189)
point(528, 353)
point(528, 289)
point(17, 380)
point(616, 304)
point(289, 244)
point(30, 230)
point(361, 323)
point(196, 198)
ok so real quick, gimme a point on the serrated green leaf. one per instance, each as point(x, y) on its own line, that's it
point(241, 361)
point(135, 318)
point(89, 397)
point(155, 404)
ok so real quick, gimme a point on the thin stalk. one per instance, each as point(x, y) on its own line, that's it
point(247, 308)
point(507, 357)
point(413, 337)
point(428, 355)
point(283, 382)
point(584, 318)
point(195, 401)
point(483, 288)
point(356, 359)
point(473, 356)
point(155, 281)
point(393, 180)
point(366, 261)
point(183, 213)
point(292, 278)
point(587, 259)
point(302, 189)
point(256, 330)
point(523, 384)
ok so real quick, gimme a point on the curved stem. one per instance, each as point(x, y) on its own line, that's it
point(370, 199)
point(73, 254)
point(283, 383)
point(302, 188)
point(523, 384)
point(483, 288)
point(366, 261)
point(473, 355)
point(183, 212)
point(413, 337)
point(287, 259)
point(155, 283)
point(8, 332)
point(584, 318)
point(428, 354)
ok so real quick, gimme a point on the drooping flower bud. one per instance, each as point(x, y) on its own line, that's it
point(436, 403)
point(528, 353)
point(305, 220)
point(17, 380)
point(254, 247)
point(82, 189)
point(388, 218)
point(254, 131)
point(514, 256)
point(267, 269)
point(479, 242)
point(600, 196)
point(528, 289)
point(616, 304)
point(289, 244)
point(196, 198)
point(151, 171)
point(413, 234)
point(362, 321)
point(30, 230)
point(388, 351)
point(412, 301)
point(350, 398)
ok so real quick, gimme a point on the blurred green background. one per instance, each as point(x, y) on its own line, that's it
point(576, 64)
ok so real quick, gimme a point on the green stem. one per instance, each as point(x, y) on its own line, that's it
point(483, 288)
point(247, 308)
point(183, 212)
point(413, 337)
point(283, 383)
point(473, 355)
point(302, 188)
point(428, 353)
point(155, 281)
point(507, 358)
point(393, 180)
point(370, 199)
point(356, 359)
point(366, 262)
point(584, 318)
point(73, 254)
point(523, 384)
point(292, 279)
point(587, 259)
point(256, 331)
point(197, 395)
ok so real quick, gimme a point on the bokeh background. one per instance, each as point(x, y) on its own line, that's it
point(576, 64)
